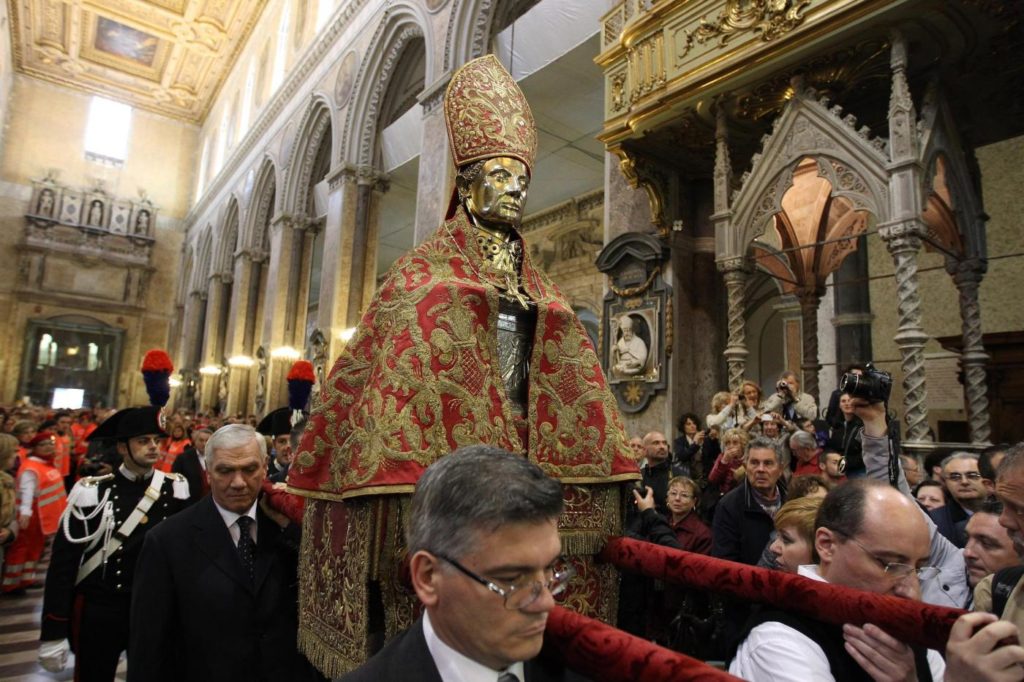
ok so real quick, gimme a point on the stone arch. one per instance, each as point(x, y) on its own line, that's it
point(316, 127)
point(228, 239)
point(203, 260)
point(471, 25)
point(853, 162)
point(403, 24)
point(263, 204)
point(942, 151)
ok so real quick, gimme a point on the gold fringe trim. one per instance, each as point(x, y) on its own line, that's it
point(406, 489)
point(576, 543)
point(326, 659)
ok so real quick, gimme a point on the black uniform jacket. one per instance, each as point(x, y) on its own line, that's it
point(109, 585)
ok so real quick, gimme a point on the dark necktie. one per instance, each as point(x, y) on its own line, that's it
point(246, 546)
point(508, 677)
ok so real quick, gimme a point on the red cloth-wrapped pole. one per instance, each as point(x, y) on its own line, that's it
point(908, 621)
point(606, 654)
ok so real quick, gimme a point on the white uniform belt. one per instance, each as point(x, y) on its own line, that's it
point(151, 495)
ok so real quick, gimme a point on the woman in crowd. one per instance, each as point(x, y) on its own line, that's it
point(929, 495)
point(728, 469)
point(845, 438)
point(794, 540)
point(687, 447)
point(691, 533)
point(729, 410)
point(172, 447)
point(753, 395)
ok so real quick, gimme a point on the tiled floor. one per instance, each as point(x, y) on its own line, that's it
point(19, 641)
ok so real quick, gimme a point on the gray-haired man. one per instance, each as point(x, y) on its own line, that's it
point(484, 559)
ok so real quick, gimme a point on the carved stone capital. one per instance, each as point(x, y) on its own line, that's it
point(373, 178)
point(342, 174)
point(433, 96)
point(967, 272)
point(902, 236)
point(734, 267)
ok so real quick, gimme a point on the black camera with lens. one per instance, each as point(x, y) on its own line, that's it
point(873, 385)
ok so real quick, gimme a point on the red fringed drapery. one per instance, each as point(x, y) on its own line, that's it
point(606, 654)
point(908, 621)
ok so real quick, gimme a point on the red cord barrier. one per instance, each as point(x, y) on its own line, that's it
point(606, 654)
point(909, 621)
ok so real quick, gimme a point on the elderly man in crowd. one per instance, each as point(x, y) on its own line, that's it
point(658, 468)
point(869, 537)
point(805, 451)
point(215, 594)
point(192, 465)
point(965, 493)
point(743, 520)
point(789, 401)
point(989, 548)
point(485, 563)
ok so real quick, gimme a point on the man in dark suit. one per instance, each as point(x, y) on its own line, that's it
point(192, 465)
point(485, 563)
point(215, 596)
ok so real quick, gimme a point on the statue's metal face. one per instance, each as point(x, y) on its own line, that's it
point(497, 196)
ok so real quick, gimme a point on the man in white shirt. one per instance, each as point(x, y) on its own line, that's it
point(485, 562)
point(869, 537)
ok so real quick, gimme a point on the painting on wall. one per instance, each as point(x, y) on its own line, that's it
point(126, 42)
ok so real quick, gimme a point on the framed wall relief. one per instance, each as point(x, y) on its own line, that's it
point(636, 324)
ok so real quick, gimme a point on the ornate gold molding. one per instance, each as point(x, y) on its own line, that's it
point(770, 18)
point(640, 173)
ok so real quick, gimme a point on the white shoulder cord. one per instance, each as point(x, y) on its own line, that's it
point(104, 507)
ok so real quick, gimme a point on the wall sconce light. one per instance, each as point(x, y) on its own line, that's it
point(210, 370)
point(347, 334)
point(240, 361)
point(285, 353)
point(174, 382)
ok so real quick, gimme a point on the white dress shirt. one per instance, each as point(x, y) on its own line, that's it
point(231, 521)
point(455, 667)
point(776, 652)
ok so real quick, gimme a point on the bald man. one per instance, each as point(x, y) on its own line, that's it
point(869, 537)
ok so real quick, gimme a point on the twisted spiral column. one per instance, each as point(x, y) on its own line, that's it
point(811, 365)
point(734, 272)
point(904, 243)
point(967, 278)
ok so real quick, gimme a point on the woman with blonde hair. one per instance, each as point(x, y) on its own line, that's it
point(728, 469)
point(729, 410)
point(8, 515)
point(794, 540)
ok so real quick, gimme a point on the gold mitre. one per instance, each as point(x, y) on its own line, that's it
point(487, 115)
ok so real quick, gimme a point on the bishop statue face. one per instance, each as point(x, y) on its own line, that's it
point(496, 197)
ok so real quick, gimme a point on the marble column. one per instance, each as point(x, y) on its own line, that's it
point(436, 173)
point(735, 272)
point(213, 340)
point(339, 227)
point(904, 243)
point(239, 338)
point(280, 300)
point(967, 275)
point(370, 185)
point(811, 365)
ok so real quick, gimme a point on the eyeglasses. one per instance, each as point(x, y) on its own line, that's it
point(957, 477)
point(524, 591)
point(682, 496)
point(896, 570)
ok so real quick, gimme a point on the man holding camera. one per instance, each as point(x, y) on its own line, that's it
point(789, 401)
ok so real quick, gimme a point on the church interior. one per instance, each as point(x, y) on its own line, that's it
point(743, 187)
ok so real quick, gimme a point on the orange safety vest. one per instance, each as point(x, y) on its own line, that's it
point(62, 460)
point(50, 496)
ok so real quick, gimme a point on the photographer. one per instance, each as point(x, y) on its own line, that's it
point(789, 401)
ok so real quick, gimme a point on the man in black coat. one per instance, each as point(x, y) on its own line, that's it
point(216, 593)
point(745, 516)
point(484, 561)
point(192, 465)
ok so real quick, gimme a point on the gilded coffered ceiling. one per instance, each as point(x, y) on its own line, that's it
point(167, 56)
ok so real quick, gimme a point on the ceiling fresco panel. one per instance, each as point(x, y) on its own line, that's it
point(166, 56)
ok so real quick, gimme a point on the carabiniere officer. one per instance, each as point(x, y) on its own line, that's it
point(89, 583)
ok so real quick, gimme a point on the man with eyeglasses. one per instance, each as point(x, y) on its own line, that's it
point(484, 558)
point(869, 537)
point(965, 493)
